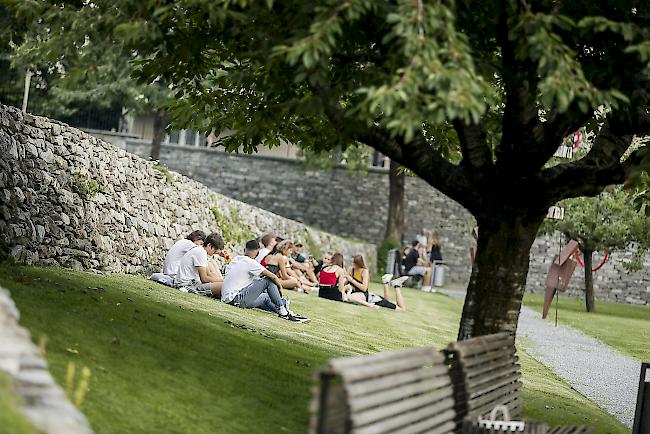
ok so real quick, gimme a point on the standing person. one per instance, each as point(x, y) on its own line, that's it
point(194, 273)
point(416, 266)
point(268, 242)
point(332, 280)
point(248, 285)
point(435, 247)
point(178, 250)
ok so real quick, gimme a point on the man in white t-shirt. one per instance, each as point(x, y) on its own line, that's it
point(178, 250)
point(194, 272)
point(268, 241)
point(248, 284)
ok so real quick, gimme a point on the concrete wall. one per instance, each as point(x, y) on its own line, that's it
point(71, 199)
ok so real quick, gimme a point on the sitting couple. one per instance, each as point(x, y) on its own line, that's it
point(339, 284)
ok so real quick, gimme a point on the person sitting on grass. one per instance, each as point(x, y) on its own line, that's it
point(332, 280)
point(248, 285)
point(268, 242)
point(301, 265)
point(174, 256)
point(358, 277)
point(377, 301)
point(277, 263)
point(195, 273)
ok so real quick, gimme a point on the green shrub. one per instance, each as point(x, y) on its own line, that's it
point(382, 254)
point(169, 178)
point(85, 187)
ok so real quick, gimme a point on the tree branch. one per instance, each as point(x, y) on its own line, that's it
point(477, 155)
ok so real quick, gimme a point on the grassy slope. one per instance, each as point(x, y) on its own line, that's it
point(163, 361)
point(9, 413)
point(624, 327)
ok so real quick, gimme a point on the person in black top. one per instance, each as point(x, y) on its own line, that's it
point(416, 266)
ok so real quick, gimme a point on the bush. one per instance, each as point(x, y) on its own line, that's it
point(382, 254)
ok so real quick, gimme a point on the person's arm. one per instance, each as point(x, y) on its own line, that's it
point(365, 277)
point(340, 276)
point(273, 277)
point(282, 263)
point(206, 276)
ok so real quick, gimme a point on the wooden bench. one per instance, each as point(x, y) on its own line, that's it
point(486, 372)
point(399, 392)
point(420, 390)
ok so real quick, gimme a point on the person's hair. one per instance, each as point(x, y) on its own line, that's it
point(279, 239)
point(215, 241)
point(252, 245)
point(298, 244)
point(196, 235)
point(414, 243)
point(435, 238)
point(283, 246)
point(357, 260)
point(266, 239)
point(337, 259)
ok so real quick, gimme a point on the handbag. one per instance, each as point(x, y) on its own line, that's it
point(492, 425)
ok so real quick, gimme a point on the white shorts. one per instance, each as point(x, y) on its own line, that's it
point(418, 270)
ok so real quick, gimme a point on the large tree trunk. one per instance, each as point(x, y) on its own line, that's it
point(589, 280)
point(395, 221)
point(159, 125)
point(498, 278)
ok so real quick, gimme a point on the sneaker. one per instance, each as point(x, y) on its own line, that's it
point(302, 319)
point(426, 288)
point(386, 278)
point(399, 282)
point(290, 316)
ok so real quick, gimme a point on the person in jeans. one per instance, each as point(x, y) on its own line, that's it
point(196, 274)
point(248, 285)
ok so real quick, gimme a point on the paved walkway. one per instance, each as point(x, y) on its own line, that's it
point(591, 367)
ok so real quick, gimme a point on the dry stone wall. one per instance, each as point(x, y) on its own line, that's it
point(68, 198)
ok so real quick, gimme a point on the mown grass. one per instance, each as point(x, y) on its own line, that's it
point(163, 361)
point(622, 326)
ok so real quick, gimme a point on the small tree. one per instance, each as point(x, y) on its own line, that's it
point(605, 223)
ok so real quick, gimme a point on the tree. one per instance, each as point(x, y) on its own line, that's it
point(512, 78)
point(76, 69)
point(603, 224)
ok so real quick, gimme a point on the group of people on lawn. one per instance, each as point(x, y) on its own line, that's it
point(269, 265)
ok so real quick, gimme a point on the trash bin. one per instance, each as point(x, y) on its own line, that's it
point(438, 273)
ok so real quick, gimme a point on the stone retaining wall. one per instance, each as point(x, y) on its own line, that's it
point(70, 199)
point(44, 402)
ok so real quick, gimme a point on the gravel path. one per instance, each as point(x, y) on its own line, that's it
point(591, 367)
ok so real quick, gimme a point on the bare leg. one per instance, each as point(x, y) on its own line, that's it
point(216, 289)
point(398, 296)
point(358, 297)
point(290, 283)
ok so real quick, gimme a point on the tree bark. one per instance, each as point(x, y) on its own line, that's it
point(159, 125)
point(589, 281)
point(498, 279)
point(395, 219)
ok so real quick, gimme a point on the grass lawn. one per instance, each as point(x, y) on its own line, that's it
point(622, 326)
point(168, 362)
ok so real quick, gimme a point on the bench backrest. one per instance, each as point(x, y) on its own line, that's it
point(402, 391)
point(485, 373)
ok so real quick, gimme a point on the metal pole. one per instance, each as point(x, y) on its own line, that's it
point(28, 80)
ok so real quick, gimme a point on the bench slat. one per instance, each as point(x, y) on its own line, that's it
point(343, 364)
point(468, 349)
point(372, 369)
point(479, 360)
point(507, 372)
point(393, 380)
point(439, 424)
point(572, 430)
point(401, 421)
point(401, 392)
point(409, 409)
point(495, 386)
